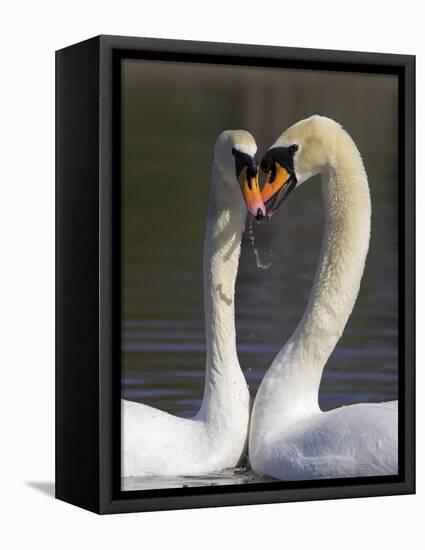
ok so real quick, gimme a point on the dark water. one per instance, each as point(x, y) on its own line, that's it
point(171, 120)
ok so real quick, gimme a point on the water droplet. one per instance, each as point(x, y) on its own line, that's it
point(258, 261)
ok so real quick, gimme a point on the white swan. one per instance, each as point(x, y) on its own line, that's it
point(155, 442)
point(290, 437)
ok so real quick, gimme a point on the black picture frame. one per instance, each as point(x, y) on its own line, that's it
point(88, 274)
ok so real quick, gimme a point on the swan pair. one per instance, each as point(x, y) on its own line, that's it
point(290, 438)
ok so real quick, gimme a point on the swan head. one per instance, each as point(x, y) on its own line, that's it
point(234, 156)
point(301, 152)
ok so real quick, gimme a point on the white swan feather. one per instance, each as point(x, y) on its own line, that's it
point(157, 443)
point(290, 437)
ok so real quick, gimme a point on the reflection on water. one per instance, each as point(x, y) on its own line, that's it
point(230, 476)
point(168, 142)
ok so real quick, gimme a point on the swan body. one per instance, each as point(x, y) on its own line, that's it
point(290, 437)
point(157, 443)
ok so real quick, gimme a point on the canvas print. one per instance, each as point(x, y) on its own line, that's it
point(259, 282)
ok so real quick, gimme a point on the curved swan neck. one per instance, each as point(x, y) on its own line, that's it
point(224, 229)
point(344, 249)
point(294, 377)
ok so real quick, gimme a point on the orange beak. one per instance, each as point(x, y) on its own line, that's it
point(251, 192)
point(277, 187)
point(276, 179)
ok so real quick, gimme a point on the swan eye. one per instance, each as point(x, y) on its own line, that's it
point(243, 160)
point(284, 156)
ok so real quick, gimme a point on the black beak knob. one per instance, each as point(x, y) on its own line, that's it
point(267, 162)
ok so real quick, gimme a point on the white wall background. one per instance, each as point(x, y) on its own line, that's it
point(29, 34)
